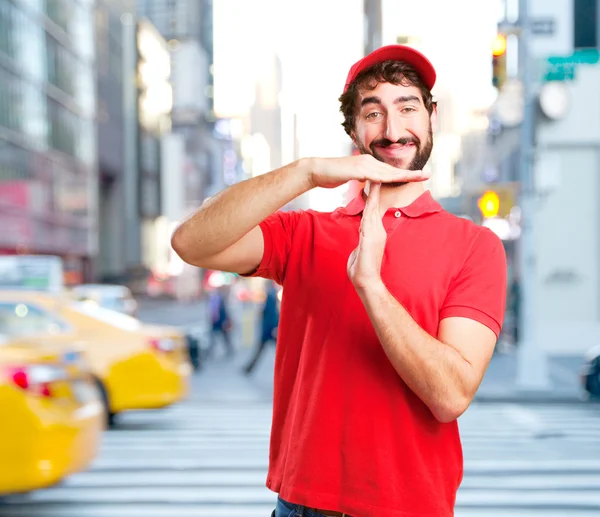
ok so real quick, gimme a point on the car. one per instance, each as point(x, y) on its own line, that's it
point(590, 375)
point(135, 366)
point(51, 412)
point(116, 297)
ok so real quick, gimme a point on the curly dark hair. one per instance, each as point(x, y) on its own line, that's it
point(391, 71)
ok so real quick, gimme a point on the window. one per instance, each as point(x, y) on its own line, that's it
point(35, 123)
point(64, 128)
point(6, 28)
point(86, 141)
point(14, 162)
point(23, 108)
point(23, 319)
point(62, 66)
point(84, 89)
point(60, 13)
point(29, 40)
point(11, 102)
point(585, 18)
point(81, 30)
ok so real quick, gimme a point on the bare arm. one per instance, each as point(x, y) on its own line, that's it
point(223, 234)
point(444, 373)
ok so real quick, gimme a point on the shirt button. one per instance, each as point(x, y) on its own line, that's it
point(398, 213)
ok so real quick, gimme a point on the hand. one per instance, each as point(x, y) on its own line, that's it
point(333, 172)
point(364, 263)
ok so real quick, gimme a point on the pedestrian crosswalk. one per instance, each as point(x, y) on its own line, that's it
point(527, 460)
point(209, 458)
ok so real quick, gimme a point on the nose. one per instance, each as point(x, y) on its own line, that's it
point(393, 129)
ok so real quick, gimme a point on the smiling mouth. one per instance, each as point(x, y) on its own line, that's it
point(395, 148)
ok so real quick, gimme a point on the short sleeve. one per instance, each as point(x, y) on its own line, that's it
point(278, 233)
point(478, 292)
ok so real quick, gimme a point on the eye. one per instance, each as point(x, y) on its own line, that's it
point(372, 115)
point(408, 109)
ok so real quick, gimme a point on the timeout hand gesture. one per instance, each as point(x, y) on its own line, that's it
point(333, 172)
point(364, 263)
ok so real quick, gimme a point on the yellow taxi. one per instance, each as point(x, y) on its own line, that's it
point(136, 366)
point(51, 413)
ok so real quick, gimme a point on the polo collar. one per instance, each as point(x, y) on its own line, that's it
point(423, 205)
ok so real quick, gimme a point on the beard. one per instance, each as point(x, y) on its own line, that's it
point(420, 159)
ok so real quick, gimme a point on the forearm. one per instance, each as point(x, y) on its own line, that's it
point(229, 215)
point(434, 371)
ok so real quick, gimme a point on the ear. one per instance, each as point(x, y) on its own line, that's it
point(434, 118)
point(353, 137)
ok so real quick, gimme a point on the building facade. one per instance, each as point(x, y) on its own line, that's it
point(111, 263)
point(194, 156)
point(48, 154)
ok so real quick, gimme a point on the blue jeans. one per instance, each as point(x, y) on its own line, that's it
point(285, 509)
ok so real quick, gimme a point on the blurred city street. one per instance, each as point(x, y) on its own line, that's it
point(168, 168)
point(208, 456)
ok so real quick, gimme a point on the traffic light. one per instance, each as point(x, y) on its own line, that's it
point(499, 60)
point(489, 204)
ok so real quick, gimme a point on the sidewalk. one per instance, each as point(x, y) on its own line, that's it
point(500, 381)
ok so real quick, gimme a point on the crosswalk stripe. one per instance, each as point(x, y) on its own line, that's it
point(258, 459)
point(145, 510)
point(256, 477)
point(202, 495)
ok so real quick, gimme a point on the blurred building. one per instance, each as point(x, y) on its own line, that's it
point(134, 105)
point(48, 156)
point(119, 241)
point(264, 120)
point(187, 27)
point(373, 25)
point(154, 105)
point(195, 154)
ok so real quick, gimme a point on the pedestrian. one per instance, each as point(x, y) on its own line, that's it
point(269, 322)
point(221, 321)
point(393, 306)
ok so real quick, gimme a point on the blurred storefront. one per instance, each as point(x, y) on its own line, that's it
point(48, 172)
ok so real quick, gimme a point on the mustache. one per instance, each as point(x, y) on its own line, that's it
point(384, 142)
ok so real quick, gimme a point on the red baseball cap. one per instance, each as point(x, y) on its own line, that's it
point(398, 53)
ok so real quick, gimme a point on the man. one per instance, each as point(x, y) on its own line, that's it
point(269, 323)
point(391, 312)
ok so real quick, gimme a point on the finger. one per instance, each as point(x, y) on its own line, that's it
point(372, 204)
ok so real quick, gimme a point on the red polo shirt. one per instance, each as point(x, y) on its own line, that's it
point(347, 433)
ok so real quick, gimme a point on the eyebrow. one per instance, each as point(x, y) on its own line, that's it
point(399, 100)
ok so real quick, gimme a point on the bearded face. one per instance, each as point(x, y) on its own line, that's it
point(394, 126)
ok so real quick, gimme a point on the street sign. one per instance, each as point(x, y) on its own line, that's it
point(543, 26)
point(562, 68)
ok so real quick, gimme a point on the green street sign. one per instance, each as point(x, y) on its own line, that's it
point(563, 68)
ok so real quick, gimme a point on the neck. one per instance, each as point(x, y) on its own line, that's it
point(398, 197)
